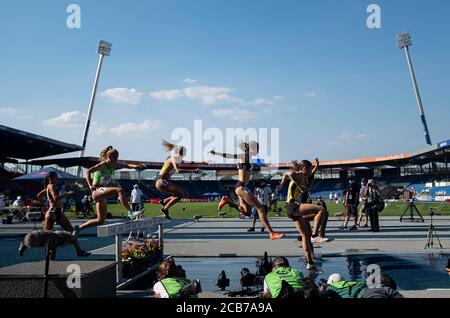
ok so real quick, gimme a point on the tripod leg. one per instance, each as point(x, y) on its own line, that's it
point(47, 265)
point(404, 212)
point(437, 237)
point(418, 213)
point(429, 242)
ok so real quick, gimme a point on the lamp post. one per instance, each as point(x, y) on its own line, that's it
point(404, 42)
point(103, 49)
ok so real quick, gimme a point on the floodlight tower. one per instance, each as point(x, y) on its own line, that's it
point(404, 42)
point(103, 49)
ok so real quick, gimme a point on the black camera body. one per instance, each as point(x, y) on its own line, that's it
point(247, 279)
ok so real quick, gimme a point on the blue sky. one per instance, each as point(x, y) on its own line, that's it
point(335, 88)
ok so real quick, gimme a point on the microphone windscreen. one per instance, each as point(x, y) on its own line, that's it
point(41, 237)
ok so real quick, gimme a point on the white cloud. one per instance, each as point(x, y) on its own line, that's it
point(172, 94)
point(8, 111)
point(190, 81)
point(234, 114)
point(135, 128)
point(65, 120)
point(212, 95)
point(352, 136)
point(209, 95)
point(98, 129)
point(26, 116)
point(123, 95)
point(17, 113)
point(262, 101)
point(267, 111)
point(126, 129)
point(312, 94)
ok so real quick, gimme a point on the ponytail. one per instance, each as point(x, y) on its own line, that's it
point(245, 146)
point(167, 145)
point(105, 152)
point(174, 149)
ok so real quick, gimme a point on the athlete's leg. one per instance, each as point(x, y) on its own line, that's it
point(111, 192)
point(250, 199)
point(315, 211)
point(101, 209)
point(305, 231)
point(177, 194)
point(64, 222)
point(49, 221)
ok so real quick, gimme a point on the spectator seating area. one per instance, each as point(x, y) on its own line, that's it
point(197, 188)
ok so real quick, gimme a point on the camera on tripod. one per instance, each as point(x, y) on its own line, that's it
point(432, 233)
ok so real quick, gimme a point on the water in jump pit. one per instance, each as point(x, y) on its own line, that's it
point(410, 271)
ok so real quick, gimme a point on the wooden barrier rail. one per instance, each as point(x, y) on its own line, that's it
point(118, 229)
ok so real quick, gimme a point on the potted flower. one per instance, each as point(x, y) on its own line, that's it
point(138, 256)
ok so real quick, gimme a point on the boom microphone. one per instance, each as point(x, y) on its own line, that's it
point(47, 239)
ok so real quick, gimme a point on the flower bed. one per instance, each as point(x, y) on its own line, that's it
point(138, 256)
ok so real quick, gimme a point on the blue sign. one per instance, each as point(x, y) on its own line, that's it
point(444, 144)
point(259, 162)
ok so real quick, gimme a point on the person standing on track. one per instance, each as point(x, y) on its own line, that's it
point(137, 197)
point(351, 201)
point(262, 193)
point(363, 211)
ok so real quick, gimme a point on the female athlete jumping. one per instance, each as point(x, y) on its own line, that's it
point(300, 181)
point(99, 180)
point(164, 185)
point(246, 198)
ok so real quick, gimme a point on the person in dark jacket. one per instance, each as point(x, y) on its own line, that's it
point(387, 289)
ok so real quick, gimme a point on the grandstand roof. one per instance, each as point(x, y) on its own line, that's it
point(87, 162)
point(435, 153)
point(23, 145)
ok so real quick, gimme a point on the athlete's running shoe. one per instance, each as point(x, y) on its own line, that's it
point(276, 236)
point(22, 248)
point(83, 254)
point(319, 239)
point(311, 267)
point(166, 214)
point(224, 201)
point(135, 215)
point(76, 230)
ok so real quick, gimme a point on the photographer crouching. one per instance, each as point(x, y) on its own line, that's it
point(172, 282)
point(283, 281)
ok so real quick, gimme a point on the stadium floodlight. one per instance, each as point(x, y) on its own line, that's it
point(404, 42)
point(103, 49)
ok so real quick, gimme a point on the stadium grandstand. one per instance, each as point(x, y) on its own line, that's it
point(425, 170)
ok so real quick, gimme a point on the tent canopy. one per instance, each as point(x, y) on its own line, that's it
point(41, 174)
